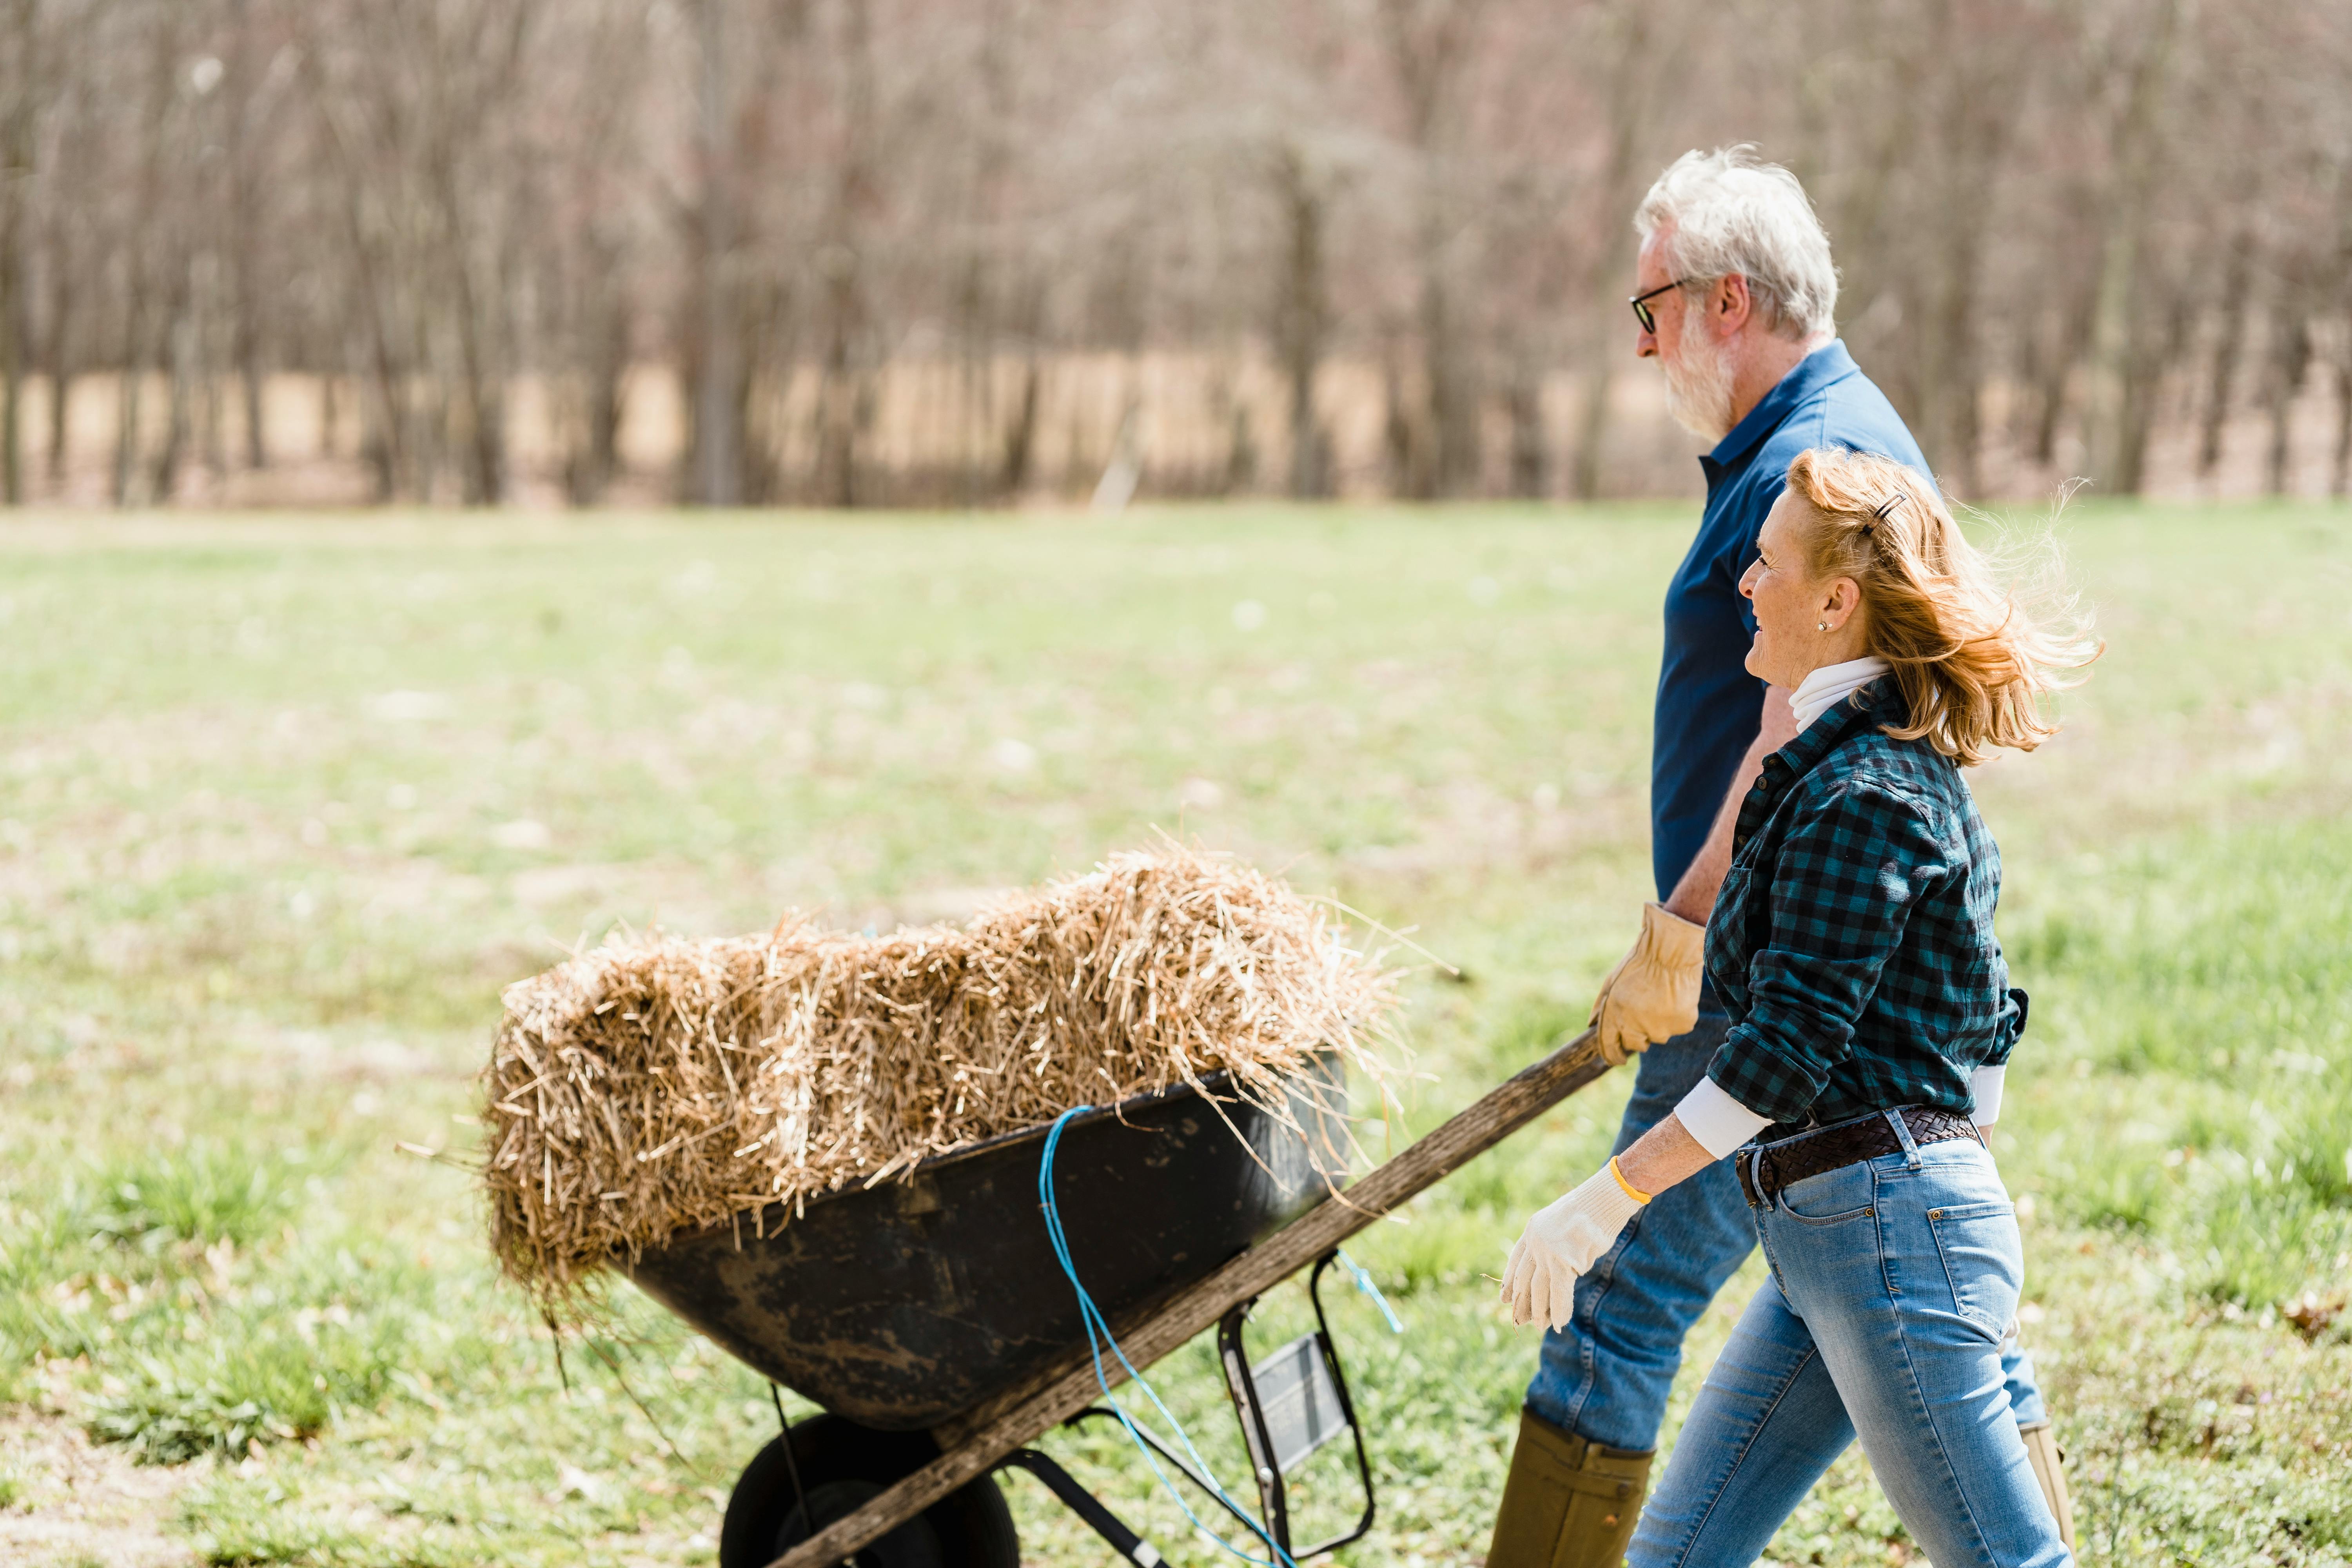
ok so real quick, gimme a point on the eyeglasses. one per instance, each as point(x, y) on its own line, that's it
point(1641, 303)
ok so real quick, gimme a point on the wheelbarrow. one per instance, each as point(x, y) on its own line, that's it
point(930, 1321)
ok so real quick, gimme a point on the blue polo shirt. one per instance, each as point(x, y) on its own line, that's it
point(1708, 704)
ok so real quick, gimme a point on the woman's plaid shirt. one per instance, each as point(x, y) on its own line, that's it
point(1851, 941)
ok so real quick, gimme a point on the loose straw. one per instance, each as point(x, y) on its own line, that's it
point(656, 1085)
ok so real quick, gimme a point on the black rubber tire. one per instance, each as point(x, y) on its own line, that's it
point(841, 1466)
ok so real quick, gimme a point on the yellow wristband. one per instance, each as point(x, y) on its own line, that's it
point(1631, 1191)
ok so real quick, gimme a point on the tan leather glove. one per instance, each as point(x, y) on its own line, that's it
point(1652, 994)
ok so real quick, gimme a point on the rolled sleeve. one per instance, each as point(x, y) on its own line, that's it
point(1718, 1122)
point(2009, 1027)
point(1848, 875)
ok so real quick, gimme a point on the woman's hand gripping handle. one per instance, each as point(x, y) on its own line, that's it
point(1562, 1242)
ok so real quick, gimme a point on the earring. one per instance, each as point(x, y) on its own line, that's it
point(1821, 625)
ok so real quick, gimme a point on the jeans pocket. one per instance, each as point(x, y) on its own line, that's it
point(1833, 1198)
point(1984, 1260)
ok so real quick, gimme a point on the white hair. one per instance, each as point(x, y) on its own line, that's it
point(1699, 387)
point(1732, 212)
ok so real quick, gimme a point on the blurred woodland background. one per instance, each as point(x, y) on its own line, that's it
point(895, 252)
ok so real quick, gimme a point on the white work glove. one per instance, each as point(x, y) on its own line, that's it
point(1652, 994)
point(1560, 1243)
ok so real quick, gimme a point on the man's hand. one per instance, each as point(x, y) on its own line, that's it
point(1652, 994)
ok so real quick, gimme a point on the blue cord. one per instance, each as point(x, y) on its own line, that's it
point(1098, 1334)
point(1364, 1283)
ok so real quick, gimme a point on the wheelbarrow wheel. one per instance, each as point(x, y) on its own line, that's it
point(843, 1466)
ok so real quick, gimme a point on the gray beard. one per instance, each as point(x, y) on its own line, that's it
point(1698, 392)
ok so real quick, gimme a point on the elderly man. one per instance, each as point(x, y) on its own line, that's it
point(1734, 296)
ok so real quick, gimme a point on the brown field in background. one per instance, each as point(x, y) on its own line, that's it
point(1203, 426)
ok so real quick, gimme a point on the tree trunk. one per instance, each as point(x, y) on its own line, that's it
point(1240, 477)
point(845, 396)
point(1453, 390)
point(1591, 429)
point(1408, 470)
point(1632, 72)
point(1530, 450)
point(1020, 437)
point(179, 359)
point(1951, 391)
point(2119, 392)
point(2291, 357)
point(57, 356)
point(839, 398)
point(590, 467)
point(126, 427)
point(12, 351)
point(2222, 367)
point(718, 435)
point(1302, 320)
point(479, 411)
point(247, 229)
point(17, 90)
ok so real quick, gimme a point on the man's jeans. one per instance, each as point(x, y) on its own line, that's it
point(1892, 1282)
point(1605, 1377)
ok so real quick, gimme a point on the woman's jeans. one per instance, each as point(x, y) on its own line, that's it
point(1606, 1376)
point(1892, 1282)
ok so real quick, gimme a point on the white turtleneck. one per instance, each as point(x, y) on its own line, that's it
point(1831, 683)
point(1713, 1117)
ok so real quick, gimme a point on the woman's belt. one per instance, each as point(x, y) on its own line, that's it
point(1764, 1171)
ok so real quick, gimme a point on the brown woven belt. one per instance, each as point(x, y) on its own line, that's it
point(1764, 1172)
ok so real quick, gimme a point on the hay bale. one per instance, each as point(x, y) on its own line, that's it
point(658, 1084)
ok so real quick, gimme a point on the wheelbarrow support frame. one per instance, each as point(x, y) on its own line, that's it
point(985, 1438)
point(1258, 1435)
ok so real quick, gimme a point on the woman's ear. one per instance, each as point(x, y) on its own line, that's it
point(1843, 598)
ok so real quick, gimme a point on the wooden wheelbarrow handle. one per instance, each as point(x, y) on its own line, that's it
point(977, 1440)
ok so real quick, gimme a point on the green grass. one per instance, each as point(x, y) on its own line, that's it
point(284, 804)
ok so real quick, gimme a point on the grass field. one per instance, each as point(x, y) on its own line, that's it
point(284, 802)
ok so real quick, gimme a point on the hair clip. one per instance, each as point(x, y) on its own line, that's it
point(1886, 508)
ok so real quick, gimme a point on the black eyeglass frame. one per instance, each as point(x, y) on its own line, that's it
point(1641, 303)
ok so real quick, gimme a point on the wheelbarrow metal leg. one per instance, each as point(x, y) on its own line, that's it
point(1086, 1505)
point(1175, 1461)
point(1241, 1388)
point(1330, 1349)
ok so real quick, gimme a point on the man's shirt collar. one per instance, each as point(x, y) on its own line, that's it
point(1822, 367)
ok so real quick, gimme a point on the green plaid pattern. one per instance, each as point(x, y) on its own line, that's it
point(1852, 942)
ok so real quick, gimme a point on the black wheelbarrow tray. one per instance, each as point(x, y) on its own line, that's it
point(930, 1320)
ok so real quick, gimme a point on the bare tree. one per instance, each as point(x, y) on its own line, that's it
point(18, 77)
point(915, 251)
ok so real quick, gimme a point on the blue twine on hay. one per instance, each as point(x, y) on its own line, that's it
point(1098, 1334)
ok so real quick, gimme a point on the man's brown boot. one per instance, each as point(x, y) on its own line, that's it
point(2049, 1469)
point(1567, 1503)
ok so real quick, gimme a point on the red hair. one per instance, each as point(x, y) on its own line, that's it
point(1971, 661)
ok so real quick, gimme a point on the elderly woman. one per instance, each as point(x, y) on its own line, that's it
point(1853, 946)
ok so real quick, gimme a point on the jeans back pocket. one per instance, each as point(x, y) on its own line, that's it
point(1984, 1260)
